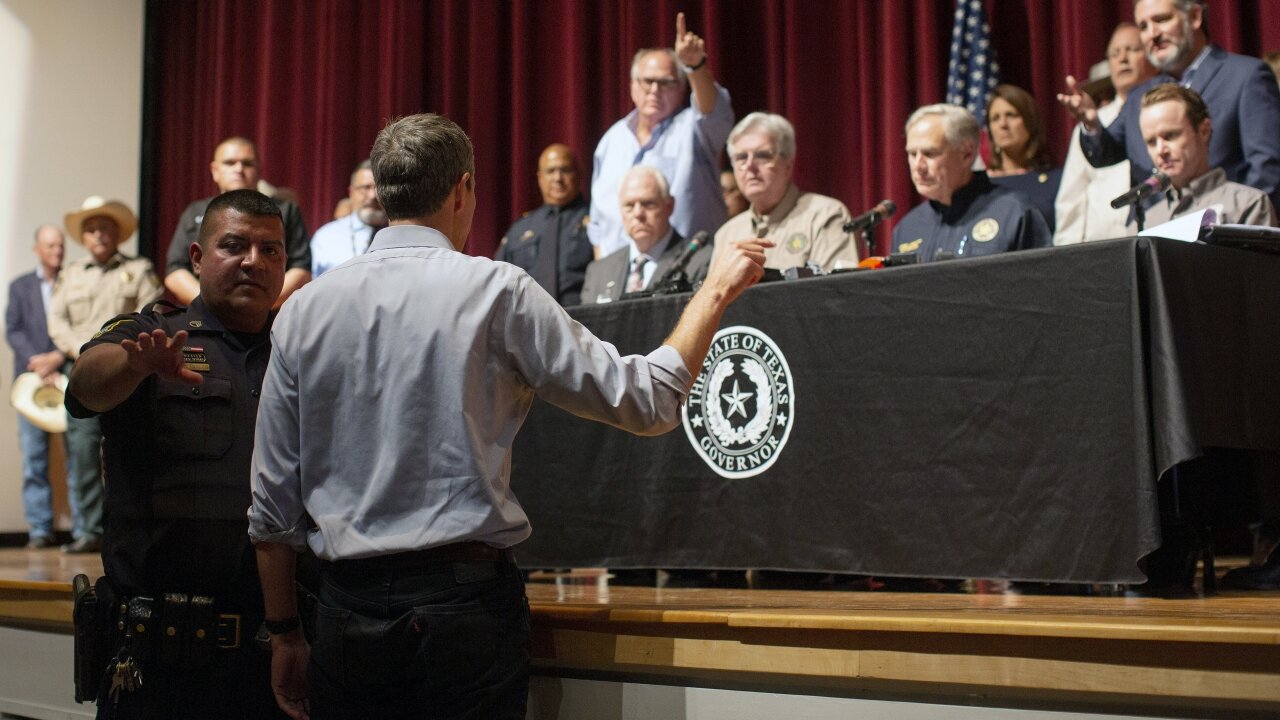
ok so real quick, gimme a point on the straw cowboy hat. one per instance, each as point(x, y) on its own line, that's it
point(95, 205)
point(39, 403)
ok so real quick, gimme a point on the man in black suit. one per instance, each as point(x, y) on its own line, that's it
point(27, 332)
point(1240, 92)
point(652, 245)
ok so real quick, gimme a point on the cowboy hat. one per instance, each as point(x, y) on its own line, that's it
point(39, 403)
point(95, 205)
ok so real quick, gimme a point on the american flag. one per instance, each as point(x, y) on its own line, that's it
point(973, 72)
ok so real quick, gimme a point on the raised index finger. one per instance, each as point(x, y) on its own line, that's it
point(679, 26)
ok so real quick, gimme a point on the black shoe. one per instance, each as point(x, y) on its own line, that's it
point(40, 542)
point(83, 545)
point(1256, 577)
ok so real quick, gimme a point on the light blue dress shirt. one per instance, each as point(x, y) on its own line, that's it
point(396, 386)
point(685, 148)
point(337, 242)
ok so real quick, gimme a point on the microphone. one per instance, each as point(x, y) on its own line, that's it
point(675, 280)
point(1157, 183)
point(872, 217)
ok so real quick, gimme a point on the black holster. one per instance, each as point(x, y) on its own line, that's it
point(92, 635)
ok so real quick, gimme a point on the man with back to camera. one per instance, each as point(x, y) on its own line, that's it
point(234, 167)
point(26, 329)
point(964, 214)
point(346, 237)
point(1240, 92)
point(421, 607)
point(551, 243)
point(805, 227)
point(1176, 125)
point(653, 246)
point(1083, 206)
point(177, 393)
point(684, 145)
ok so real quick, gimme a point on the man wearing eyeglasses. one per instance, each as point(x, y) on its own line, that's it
point(683, 144)
point(653, 245)
point(804, 227)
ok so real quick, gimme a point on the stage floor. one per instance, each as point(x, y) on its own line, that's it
point(1213, 656)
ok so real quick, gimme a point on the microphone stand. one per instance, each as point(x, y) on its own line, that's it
point(1140, 215)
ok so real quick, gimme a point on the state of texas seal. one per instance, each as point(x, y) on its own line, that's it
point(742, 405)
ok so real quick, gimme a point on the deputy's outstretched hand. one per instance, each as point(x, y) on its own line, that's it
point(156, 352)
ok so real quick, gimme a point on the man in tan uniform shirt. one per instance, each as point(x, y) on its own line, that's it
point(89, 292)
point(805, 227)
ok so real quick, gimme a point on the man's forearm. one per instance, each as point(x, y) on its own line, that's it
point(277, 568)
point(703, 84)
point(102, 378)
point(697, 326)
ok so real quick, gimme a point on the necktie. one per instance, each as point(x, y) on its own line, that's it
point(635, 281)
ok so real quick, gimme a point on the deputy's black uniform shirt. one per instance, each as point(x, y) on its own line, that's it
point(297, 243)
point(563, 230)
point(983, 219)
point(176, 459)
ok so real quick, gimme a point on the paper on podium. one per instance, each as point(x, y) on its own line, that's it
point(1186, 227)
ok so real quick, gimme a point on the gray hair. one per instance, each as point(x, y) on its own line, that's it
point(664, 188)
point(675, 61)
point(417, 160)
point(771, 124)
point(958, 125)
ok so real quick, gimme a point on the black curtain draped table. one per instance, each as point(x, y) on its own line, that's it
point(1008, 416)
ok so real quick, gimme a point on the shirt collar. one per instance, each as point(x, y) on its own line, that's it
point(781, 210)
point(654, 252)
point(963, 197)
point(201, 313)
point(111, 263)
point(405, 236)
point(1190, 72)
point(1197, 187)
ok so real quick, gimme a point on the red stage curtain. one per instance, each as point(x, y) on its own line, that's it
point(314, 80)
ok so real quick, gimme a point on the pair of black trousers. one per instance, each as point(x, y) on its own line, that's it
point(398, 638)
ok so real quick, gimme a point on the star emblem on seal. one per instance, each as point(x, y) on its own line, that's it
point(741, 408)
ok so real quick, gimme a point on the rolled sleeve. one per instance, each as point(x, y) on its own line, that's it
point(571, 368)
point(277, 513)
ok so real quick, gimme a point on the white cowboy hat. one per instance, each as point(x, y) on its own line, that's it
point(39, 403)
point(96, 205)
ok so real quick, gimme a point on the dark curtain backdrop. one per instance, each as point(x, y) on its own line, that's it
point(314, 80)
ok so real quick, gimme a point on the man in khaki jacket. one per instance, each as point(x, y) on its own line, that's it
point(88, 292)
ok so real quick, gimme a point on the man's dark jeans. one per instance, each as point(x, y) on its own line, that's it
point(440, 640)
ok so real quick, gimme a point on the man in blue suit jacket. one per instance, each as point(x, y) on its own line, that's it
point(27, 332)
point(1240, 91)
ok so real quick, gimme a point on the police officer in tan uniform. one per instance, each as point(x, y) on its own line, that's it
point(87, 293)
point(805, 227)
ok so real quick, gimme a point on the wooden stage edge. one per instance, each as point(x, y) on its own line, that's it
point(1215, 657)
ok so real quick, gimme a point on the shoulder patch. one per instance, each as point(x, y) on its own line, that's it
point(985, 230)
point(111, 326)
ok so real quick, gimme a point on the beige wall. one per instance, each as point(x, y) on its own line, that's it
point(70, 127)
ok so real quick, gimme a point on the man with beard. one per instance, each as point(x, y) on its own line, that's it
point(234, 167)
point(347, 237)
point(1239, 91)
